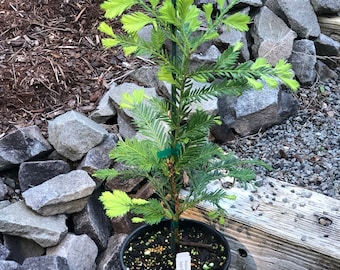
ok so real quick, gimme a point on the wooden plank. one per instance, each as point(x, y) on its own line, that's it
point(281, 227)
point(330, 26)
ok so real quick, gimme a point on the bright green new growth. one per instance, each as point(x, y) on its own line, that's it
point(176, 152)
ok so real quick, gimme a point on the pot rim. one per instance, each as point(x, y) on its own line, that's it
point(203, 226)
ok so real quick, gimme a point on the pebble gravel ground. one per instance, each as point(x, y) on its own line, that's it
point(305, 149)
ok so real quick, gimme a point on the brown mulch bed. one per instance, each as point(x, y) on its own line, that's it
point(51, 61)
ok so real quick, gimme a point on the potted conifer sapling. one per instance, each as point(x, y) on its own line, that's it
point(175, 152)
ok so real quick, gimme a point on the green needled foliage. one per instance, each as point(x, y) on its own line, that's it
point(175, 152)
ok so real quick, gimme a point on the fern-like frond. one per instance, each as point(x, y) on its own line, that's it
point(197, 154)
point(188, 15)
point(224, 66)
point(114, 8)
point(198, 94)
point(238, 21)
point(230, 87)
point(148, 123)
point(138, 153)
point(158, 38)
point(153, 212)
point(197, 126)
point(106, 174)
point(168, 13)
point(132, 23)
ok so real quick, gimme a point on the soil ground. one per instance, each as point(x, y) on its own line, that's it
point(51, 60)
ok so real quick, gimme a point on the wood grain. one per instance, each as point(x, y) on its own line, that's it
point(330, 26)
point(280, 226)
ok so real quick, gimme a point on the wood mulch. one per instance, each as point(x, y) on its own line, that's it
point(52, 61)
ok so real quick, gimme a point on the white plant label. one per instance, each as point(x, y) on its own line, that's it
point(183, 261)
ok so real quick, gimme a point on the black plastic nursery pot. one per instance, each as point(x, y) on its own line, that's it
point(148, 247)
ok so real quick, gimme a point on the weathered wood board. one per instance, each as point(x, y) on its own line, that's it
point(281, 227)
point(330, 26)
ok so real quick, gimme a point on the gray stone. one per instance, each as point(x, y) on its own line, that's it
point(104, 111)
point(252, 101)
point(122, 183)
point(126, 127)
point(324, 73)
point(231, 36)
point(327, 46)
point(254, 3)
point(45, 262)
point(9, 265)
point(79, 250)
point(22, 145)
point(109, 259)
point(206, 57)
point(272, 37)
point(274, 6)
point(17, 219)
point(3, 190)
point(98, 157)
point(147, 76)
point(34, 173)
point(116, 93)
point(303, 61)
point(22, 248)
point(288, 106)
point(93, 222)
point(63, 194)
point(326, 6)
point(4, 252)
point(73, 134)
point(4, 204)
point(253, 111)
point(145, 32)
point(301, 17)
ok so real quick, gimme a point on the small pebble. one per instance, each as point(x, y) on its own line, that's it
point(310, 136)
point(304, 238)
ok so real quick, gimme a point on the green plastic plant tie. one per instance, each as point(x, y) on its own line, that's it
point(169, 152)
